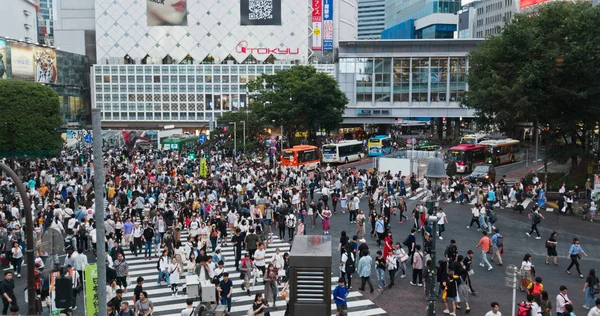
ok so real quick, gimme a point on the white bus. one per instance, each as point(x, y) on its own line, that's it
point(343, 152)
point(474, 138)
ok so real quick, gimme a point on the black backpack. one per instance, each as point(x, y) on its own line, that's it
point(350, 267)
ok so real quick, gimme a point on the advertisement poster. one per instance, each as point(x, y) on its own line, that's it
point(528, 3)
point(317, 22)
point(22, 61)
point(328, 24)
point(260, 12)
point(90, 277)
point(3, 70)
point(166, 12)
point(45, 65)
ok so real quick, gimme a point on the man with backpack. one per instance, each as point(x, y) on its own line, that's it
point(497, 245)
point(528, 308)
point(535, 218)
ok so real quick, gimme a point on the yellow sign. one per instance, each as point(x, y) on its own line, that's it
point(317, 32)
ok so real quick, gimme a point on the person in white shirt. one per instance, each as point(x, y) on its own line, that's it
point(174, 270)
point(259, 258)
point(495, 310)
point(189, 310)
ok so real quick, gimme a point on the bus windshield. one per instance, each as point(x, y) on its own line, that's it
point(329, 149)
point(456, 155)
point(288, 154)
point(467, 140)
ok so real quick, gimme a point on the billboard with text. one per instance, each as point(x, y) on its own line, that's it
point(317, 23)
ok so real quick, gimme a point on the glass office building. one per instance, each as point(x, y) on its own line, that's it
point(385, 80)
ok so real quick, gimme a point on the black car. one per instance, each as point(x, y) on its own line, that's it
point(485, 173)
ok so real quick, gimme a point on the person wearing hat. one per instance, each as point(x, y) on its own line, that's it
point(362, 247)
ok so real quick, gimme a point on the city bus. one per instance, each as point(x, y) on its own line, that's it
point(301, 155)
point(474, 138)
point(380, 145)
point(344, 151)
point(501, 151)
point(466, 156)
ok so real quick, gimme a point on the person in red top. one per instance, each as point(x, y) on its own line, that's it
point(536, 287)
point(485, 243)
point(388, 245)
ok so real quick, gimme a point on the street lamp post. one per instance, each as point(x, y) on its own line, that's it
point(244, 123)
point(435, 172)
point(234, 139)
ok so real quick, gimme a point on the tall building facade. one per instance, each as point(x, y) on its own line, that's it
point(420, 19)
point(371, 18)
point(19, 21)
point(46, 18)
point(185, 63)
point(75, 27)
point(479, 19)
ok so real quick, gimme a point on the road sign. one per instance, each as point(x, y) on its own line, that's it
point(202, 138)
point(87, 138)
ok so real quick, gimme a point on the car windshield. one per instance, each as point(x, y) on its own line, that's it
point(481, 169)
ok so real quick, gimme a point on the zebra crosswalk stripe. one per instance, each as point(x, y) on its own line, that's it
point(166, 304)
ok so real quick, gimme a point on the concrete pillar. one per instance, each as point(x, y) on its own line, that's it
point(440, 127)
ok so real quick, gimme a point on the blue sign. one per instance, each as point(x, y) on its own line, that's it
point(202, 138)
point(88, 138)
point(328, 24)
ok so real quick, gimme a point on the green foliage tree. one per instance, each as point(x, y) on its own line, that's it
point(255, 128)
point(543, 68)
point(299, 98)
point(29, 117)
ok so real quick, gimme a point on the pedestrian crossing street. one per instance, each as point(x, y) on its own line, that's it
point(166, 304)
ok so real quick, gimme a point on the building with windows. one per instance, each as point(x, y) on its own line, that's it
point(418, 19)
point(190, 69)
point(19, 21)
point(46, 19)
point(387, 80)
point(479, 19)
point(371, 18)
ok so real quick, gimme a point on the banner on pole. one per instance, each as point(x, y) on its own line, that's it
point(328, 24)
point(91, 289)
point(317, 22)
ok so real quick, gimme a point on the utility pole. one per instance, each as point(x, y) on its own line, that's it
point(234, 140)
point(99, 211)
point(281, 139)
point(537, 136)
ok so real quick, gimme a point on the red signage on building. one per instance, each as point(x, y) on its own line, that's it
point(242, 47)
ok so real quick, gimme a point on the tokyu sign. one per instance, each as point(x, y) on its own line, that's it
point(243, 47)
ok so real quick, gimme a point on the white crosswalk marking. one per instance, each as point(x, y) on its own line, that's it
point(165, 304)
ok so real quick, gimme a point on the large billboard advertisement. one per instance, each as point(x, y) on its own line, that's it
point(528, 3)
point(328, 24)
point(260, 12)
point(45, 65)
point(3, 66)
point(166, 12)
point(34, 63)
point(21, 61)
point(317, 21)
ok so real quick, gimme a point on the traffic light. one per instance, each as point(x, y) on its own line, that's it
point(192, 156)
point(82, 158)
point(224, 128)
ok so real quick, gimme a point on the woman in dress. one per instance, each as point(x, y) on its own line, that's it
point(174, 271)
point(551, 248)
point(270, 279)
point(310, 213)
point(388, 244)
point(344, 201)
point(325, 215)
point(278, 262)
